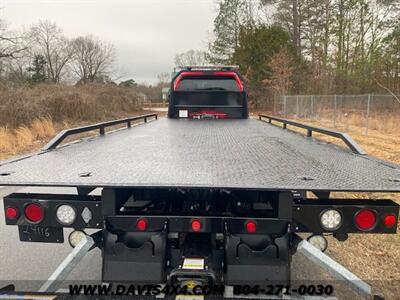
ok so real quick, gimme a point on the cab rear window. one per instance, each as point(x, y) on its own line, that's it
point(208, 84)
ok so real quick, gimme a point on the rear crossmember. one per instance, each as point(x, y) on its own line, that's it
point(303, 214)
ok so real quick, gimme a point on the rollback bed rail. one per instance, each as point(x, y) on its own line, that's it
point(354, 147)
point(99, 126)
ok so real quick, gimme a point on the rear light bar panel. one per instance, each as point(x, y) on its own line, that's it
point(50, 203)
point(208, 224)
point(306, 217)
point(307, 213)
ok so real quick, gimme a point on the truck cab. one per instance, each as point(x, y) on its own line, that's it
point(216, 92)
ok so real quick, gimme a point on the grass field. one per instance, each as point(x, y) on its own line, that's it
point(19, 106)
point(31, 115)
point(28, 138)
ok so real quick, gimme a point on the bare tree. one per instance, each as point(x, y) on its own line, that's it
point(47, 39)
point(281, 66)
point(164, 79)
point(10, 45)
point(13, 55)
point(191, 58)
point(92, 58)
point(15, 69)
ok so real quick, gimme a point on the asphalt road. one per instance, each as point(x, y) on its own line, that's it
point(28, 265)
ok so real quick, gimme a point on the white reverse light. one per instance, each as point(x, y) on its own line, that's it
point(318, 241)
point(66, 214)
point(76, 237)
point(331, 219)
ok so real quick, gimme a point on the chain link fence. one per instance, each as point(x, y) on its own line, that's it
point(360, 112)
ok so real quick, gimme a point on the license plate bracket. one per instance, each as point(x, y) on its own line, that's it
point(40, 234)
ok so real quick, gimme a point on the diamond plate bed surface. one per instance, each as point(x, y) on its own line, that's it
point(248, 154)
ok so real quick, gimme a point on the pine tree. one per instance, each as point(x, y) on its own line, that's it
point(38, 69)
point(233, 14)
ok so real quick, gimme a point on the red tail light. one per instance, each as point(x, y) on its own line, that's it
point(34, 212)
point(389, 221)
point(251, 226)
point(142, 224)
point(12, 213)
point(196, 225)
point(365, 219)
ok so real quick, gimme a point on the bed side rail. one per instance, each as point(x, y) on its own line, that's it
point(99, 126)
point(355, 148)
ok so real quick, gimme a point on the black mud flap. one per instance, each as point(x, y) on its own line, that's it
point(263, 259)
point(134, 257)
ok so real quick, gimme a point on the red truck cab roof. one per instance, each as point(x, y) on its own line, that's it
point(215, 92)
point(208, 74)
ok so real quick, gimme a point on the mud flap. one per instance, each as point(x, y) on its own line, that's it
point(136, 257)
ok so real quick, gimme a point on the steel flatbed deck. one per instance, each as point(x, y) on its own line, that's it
point(245, 154)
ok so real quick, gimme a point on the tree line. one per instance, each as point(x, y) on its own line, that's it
point(42, 53)
point(285, 46)
point(310, 46)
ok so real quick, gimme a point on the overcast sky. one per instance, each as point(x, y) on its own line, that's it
point(146, 34)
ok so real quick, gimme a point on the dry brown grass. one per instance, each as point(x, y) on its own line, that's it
point(383, 122)
point(6, 140)
point(30, 116)
point(19, 106)
point(24, 137)
point(30, 138)
point(43, 128)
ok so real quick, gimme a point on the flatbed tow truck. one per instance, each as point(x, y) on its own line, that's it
point(206, 196)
